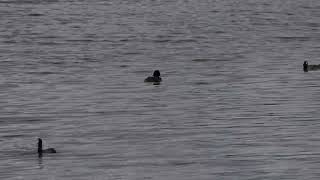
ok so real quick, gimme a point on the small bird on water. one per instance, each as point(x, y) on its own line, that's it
point(307, 67)
point(155, 78)
point(41, 151)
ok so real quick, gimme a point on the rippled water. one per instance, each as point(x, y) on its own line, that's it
point(234, 102)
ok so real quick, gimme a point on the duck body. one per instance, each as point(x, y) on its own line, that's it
point(155, 78)
point(49, 150)
point(307, 67)
point(41, 150)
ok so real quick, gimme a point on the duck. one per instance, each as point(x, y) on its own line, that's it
point(40, 150)
point(307, 67)
point(155, 78)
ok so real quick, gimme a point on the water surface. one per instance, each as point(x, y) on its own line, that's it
point(234, 102)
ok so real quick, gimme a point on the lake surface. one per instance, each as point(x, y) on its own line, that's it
point(234, 103)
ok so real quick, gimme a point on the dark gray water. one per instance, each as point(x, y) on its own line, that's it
point(234, 102)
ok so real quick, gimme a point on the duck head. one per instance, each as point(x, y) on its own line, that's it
point(156, 73)
point(305, 66)
point(39, 146)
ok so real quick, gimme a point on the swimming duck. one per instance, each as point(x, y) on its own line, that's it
point(155, 78)
point(40, 150)
point(307, 67)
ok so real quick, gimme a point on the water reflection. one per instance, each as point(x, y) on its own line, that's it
point(40, 163)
